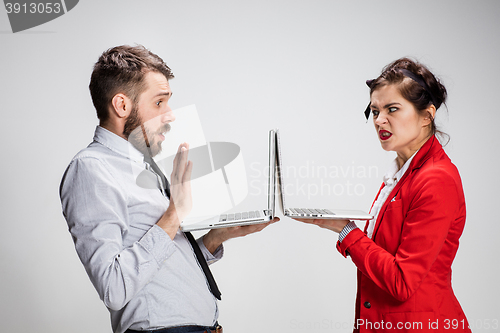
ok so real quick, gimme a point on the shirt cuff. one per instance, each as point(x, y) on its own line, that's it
point(347, 229)
point(209, 257)
point(157, 242)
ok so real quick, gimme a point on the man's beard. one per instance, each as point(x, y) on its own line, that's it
point(140, 136)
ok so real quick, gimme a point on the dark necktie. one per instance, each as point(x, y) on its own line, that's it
point(197, 251)
point(154, 166)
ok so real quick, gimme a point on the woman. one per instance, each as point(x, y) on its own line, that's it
point(405, 254)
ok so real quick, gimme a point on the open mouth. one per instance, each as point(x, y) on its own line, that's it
point(163, 131)
point(384, 135)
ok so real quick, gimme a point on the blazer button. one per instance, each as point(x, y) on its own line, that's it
point(367, 305)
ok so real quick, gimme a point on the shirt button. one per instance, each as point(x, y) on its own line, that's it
point(367, 305)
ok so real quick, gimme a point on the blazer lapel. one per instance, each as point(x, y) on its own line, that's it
point(426, 151)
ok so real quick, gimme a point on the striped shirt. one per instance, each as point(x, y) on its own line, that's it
point(111, 202)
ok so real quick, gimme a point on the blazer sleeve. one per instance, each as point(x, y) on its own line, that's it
point(433, 204)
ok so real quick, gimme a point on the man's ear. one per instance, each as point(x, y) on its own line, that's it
point(431, 113)
point(121, 105)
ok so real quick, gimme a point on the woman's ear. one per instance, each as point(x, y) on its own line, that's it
point(430, 114)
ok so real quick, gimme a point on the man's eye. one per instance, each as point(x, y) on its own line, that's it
point(158, 103)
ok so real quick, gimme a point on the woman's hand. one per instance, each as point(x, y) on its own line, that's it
point(331, 224)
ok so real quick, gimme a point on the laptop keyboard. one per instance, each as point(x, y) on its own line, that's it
point(239, 216)
point(310, 211)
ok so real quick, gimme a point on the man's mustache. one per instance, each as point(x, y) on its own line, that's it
point(165, 129)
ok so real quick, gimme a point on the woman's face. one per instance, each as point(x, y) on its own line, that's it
point(399, 126)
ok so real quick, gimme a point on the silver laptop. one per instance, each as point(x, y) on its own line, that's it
point(242, 218)
point(310, 213)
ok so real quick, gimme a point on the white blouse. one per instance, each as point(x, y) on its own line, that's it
point(391, 178)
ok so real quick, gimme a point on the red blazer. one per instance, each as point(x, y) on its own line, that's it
point(404, 271)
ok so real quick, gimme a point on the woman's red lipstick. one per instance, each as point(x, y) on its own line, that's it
point(384, 135)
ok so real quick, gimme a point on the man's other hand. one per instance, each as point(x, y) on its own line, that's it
point(215, 237)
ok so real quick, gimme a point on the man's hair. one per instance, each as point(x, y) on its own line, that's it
point(121, 69)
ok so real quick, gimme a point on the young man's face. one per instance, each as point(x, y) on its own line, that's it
point(149, 120)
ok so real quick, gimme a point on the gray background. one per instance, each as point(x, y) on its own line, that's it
point(248, 66)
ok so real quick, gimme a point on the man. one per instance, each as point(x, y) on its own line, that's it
point(126, 234)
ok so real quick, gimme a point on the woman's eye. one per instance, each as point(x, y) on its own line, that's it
point(158, 103)
point(375, 113)
point(393, 109)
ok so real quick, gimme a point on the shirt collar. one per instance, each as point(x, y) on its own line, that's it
point(393, 175)
point(117, 144)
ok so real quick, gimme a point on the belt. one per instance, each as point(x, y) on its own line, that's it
point(183, 329)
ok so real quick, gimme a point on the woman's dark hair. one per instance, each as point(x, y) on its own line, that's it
point(121, 69)
point(421, 98)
